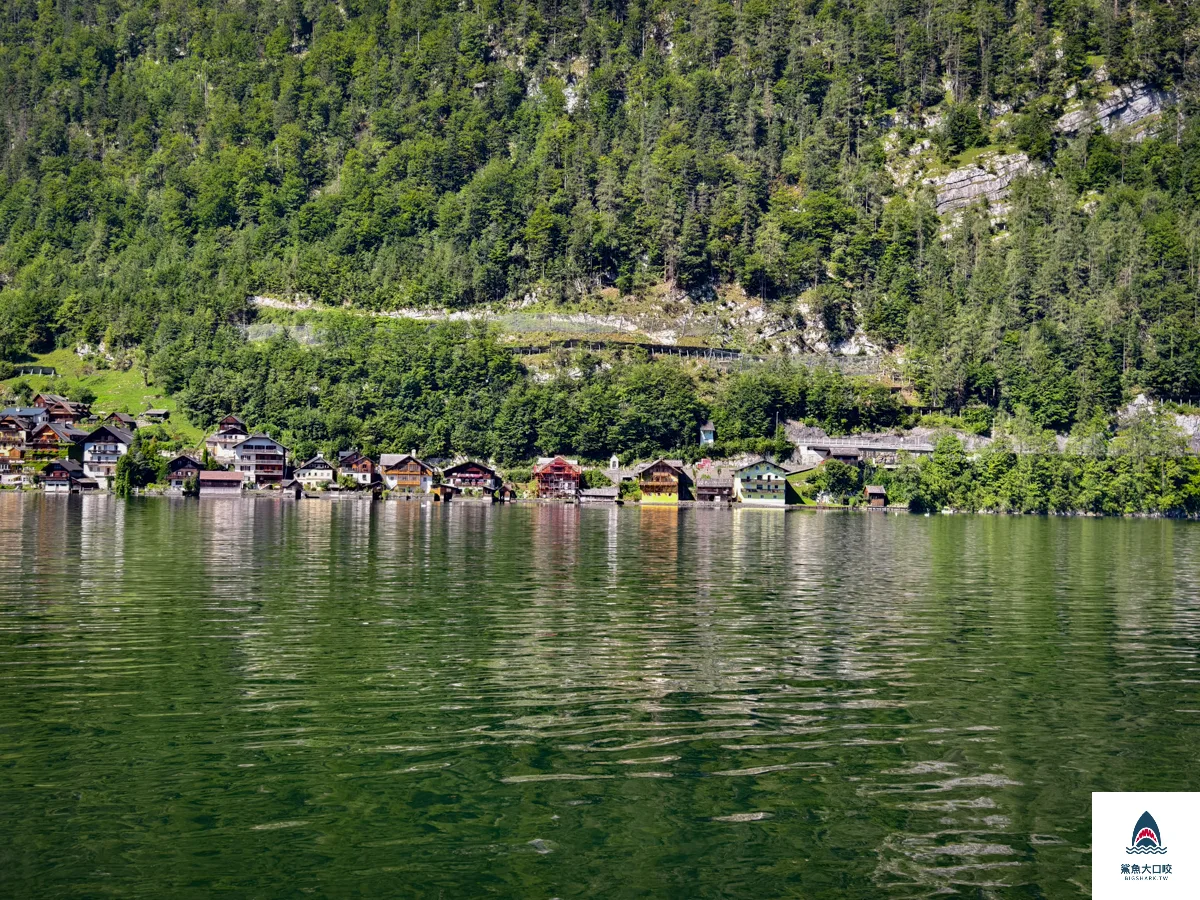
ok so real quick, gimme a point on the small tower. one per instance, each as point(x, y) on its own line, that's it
point(708, 433)
point(614, 463)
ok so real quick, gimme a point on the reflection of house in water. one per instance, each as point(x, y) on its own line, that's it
point(101, 542)
point(554, 549)
point(658, 547)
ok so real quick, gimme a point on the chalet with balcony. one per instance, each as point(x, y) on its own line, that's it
point(231, 431)
point(179, 470)
point(761, 482)
point(101, 450)
point(315, 472)
point(261, 460)
point(52, 440)
point(664, 481)
point(472, 476)
point(13, 430)
point(353, 464)
point(220, 484)
point(62, 411)
point(557, 478)
point(405, 474)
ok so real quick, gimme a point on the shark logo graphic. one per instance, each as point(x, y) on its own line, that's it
point(1147, 838)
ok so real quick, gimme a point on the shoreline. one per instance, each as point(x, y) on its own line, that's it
point(366, 497)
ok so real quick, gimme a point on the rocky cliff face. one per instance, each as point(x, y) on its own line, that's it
point(989, 179)
point(1127, 106)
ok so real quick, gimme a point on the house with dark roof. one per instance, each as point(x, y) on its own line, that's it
point(471, 475)
point(101, 449)
point(121, 420)
point(761, 482)
point(231, 431)
point(53, 440)
point(261, 459)
point(664, 481)
point(315, 472)
point(179, 470)
point(353, 464)
point(62, 410)
point(66, 476)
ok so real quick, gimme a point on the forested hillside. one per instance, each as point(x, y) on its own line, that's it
point(163, 161)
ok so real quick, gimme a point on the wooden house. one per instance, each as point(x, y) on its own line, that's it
point(600, 495)
point(664, 481)
point(220, 484)
point(179, 470)
point(354, 465)
point(291, 490)
point(101, 450)
point(158, 416)
point(231, 431)
point(557, 478)
point(261, 459)
point(713, 489)
point(66, 476)
point(29, 415)
point(472, 476)
point(315, 472)
point(13, 430)
point(404, 473)
point(761, 482)
point(52, 440)
point(876, 496)
point(62, 411)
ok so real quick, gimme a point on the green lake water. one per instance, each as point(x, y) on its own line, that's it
point(273, 699)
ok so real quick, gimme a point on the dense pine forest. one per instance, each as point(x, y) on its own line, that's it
point(164, 161)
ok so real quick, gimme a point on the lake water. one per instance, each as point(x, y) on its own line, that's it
point(350, 699)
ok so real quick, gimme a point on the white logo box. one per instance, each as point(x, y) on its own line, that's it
point(1146, 845)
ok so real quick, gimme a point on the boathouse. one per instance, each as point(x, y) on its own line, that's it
point(876, 496)
point(220, 484)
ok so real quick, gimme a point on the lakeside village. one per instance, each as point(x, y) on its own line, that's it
point(58, 446)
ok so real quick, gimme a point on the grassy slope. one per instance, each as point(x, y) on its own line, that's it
point(115, 391)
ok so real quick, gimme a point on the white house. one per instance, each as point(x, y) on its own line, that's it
point(315, 472)
point(101, 450)
point(260, 459)
point(404, 472)
point(231, 431)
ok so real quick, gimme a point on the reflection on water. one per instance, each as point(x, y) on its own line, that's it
point(547, 701)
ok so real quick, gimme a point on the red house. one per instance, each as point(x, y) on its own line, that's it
point(557, 478)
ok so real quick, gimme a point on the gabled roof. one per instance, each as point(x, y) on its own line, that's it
point(258, 436)
point(468, 464)
point(71, 466)
point(157, 412)
point(708, 426)
point(182, 461)
point(392, 460)
point(673, 463)
point(120, 435)
point(62, 432)
point(123, 418)
point(317, 462)
point(761, 461)
point(544, 462)
point(875, 489)
point(219, 476)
